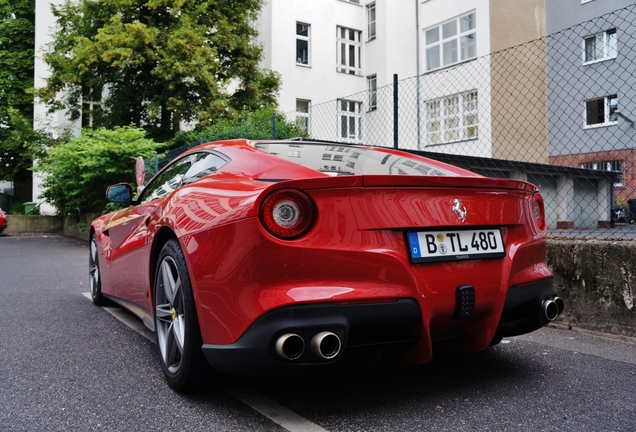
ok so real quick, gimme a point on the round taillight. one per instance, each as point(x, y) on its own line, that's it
point(287, 214)
point(538, 211)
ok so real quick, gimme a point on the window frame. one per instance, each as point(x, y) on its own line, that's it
point(92, 111)
point(344, 47)
point(464, 112)
point(441, 43)
point(610, 118)
point(609, 48)
point(372, 89)
point(303, 119)
point(350, 117)
point(371, 24)
point(301, 38)
point(607, 165)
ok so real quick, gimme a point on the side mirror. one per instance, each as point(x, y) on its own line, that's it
point(120, 193)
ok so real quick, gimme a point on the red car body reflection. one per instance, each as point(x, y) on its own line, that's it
point(300, 255)
point(3, 221)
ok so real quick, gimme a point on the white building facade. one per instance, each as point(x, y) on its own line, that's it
point(338, 60)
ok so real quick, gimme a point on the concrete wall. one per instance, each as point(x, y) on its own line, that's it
point(76, 226)
point(21, 225)
point(597, 281)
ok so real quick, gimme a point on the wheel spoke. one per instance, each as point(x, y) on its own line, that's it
point(93, 272)
point(93, 268)
point(169, 283)
point(171, 352)
point(94, 251)
point(163, 312)
point(178, 328)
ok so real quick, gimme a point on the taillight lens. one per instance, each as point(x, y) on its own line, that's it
point(538, 211)
point(287, 214)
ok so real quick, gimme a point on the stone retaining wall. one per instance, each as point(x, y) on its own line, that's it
point(597, 281)
point(76, 226)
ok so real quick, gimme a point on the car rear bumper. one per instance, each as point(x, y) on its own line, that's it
point(523, 310)
point(372, 331)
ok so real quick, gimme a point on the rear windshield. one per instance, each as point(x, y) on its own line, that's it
point(351, 160)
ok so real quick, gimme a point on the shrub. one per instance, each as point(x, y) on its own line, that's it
point(77, 172)
point(251, 125)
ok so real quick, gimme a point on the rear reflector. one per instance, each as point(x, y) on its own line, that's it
point(464, 301)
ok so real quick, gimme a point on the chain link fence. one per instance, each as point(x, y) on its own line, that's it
point(558, 112)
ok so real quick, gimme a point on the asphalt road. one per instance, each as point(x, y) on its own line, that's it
point(66, 365)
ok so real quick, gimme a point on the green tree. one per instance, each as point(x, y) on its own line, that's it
point(19, 143)
point(156, 63)
point(78, 172)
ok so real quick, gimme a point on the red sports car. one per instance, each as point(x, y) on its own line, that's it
point(3, 221)
point(292, 256)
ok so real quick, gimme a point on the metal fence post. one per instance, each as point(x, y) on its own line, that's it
point(395, 111)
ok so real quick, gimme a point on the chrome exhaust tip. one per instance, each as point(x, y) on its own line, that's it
point(560, 304)
point(550, 309)
point(290, 346)
point(326, 345)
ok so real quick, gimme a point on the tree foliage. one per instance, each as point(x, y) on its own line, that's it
point(251, 125)
point(19, 143)
point(78, 172)
point(156, 63)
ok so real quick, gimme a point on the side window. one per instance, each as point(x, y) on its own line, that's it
point(202, 165)
point(167, 181)
point(185, 170)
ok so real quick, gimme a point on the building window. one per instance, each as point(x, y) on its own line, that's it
point(451, 42)
point(372, 86)
point(615, 165)
point(91, 107)
point(353, 1)
point(302, 44)
point(452, 118)
point(349, 51)
point(350, 114)
point(302, 114)
point(601, 112)
point(599, 47)
point(371, 21)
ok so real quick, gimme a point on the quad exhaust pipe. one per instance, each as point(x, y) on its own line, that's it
point(551, 308)
point(325, 345)
point(290, 346)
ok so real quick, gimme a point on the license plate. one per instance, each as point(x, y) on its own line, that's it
point(432, 246)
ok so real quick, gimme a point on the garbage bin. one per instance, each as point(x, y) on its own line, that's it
point(29, 207)
point(632, 210)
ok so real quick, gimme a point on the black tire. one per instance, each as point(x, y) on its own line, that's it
point(95, 279)
point(497, 338)
point(176, 322)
